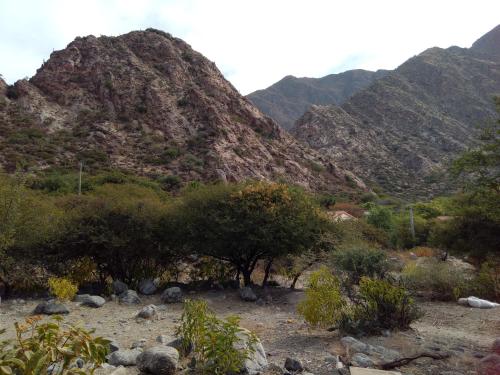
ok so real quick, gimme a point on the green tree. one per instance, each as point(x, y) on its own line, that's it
point(243, 224)
point(380, 217)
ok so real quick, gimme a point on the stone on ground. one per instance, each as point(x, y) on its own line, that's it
point(158, 360)
point(247, 294)
point(129, 297)
point(370, 371)
point(147, 287)
point(148, 312)
point(90, 301)
point(51, 308)
point(119, 287)
point(257, 361)
point(172, 295)
point(366, 355)
point(294, 365)
point(126, 357)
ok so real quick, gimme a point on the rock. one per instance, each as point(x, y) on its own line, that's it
point(294, 365)
point(51, 308)
point(489, 365)
point(374, 353)
point(353, 346)
point(90, 301)
point(158, 360)
point(129, 297)
point(139, 344)
point(463, 301)
point(147, 287)
point(119, 287)
point(362, 360)
point(148, 312)
point(413, 256)
point(113, 345)
point(257, 360)
point(478, 303)
point(126, 357)
point(163, 339)
point(172, 295)
point(273, 369)
point(247, 294)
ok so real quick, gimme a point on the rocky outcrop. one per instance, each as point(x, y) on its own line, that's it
point(288, 99)
point(147, 102)
point(402, 131)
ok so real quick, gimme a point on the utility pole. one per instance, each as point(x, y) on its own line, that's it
point(412, 225)
point(80, 179)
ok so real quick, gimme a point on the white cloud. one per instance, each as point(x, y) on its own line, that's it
point(254, 43)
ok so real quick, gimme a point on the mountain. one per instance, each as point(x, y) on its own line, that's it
point(146, 102)
point(288, 99)
point(402, 131)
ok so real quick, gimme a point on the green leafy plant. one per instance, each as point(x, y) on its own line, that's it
point(323, 304)
point(217, 344)
point(380, 305)
point(63, 289)
point(51, 348)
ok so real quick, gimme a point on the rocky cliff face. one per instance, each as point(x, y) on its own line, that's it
point(288, 99)
point(147, 102)
point(402, 131)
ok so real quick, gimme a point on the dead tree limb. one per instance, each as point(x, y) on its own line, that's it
point(404, 361)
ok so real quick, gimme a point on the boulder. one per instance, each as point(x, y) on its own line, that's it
point(293, 365)
point(172, 295)
point(247, 294)
point(374, 353)
point(362, 360)
point(90, 301)
point(257, 361)
point(496, 346)
point(113, 345)
point(129, 297)
point(147, 287)
point(119, 287)
point(124, 357)
point(158, 360)
point(148, 312)
point(477, 303)
point(51, 308)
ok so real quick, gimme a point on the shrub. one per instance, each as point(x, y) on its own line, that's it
point(380, 305)
point(381, 217)
point(358, 261)
point(41, 346)
point(423, 251)
point(487, 282)
point(211, 269)
point(439, 279)
point(213, 341)
point(323, 304)
point(63, 289)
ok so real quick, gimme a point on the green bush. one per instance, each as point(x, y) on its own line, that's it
point(214, 341)
point(381, 217)
point(438, 279)
point(324, 303)
point(487, 282)
point(41, 346)
point(380, 305)
point(63, 289)
point(358, 261)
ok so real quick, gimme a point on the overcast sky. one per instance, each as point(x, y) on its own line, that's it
point(257, 42)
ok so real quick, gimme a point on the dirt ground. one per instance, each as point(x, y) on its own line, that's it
point(464, 332)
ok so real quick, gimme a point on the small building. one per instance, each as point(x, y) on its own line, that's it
point(338, 216)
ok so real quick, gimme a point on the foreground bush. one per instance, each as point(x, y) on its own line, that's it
point(51, 348)
point(213, 341)
point(324, 303)
point(438, 279)
point(380, 305)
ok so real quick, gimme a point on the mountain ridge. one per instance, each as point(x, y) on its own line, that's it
point(146, 102)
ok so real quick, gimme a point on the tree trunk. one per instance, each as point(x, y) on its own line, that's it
point(247, 277)
point(267, 272)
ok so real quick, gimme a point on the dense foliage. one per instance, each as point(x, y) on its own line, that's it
point(51, 348)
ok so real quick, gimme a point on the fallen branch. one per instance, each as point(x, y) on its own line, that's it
point(404, 361)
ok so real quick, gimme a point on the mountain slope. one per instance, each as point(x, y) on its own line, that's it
point(402, 131)
point(146, 102)
point(288, 99)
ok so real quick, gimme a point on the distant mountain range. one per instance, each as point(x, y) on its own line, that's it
point(146, 102)
point(288, 99)
point(401, 131)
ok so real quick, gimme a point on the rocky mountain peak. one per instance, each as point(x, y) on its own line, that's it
point(147, 102)
point(488, 44)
